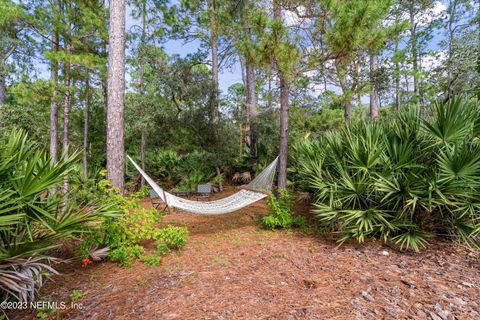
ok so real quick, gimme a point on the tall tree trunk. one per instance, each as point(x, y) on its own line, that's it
point(373, 87)
point(346, 93)
point(250, 94)
point(66, 114)
point(243, 127)
point(451, 35)
point(283, 154)
point(397, 78)
point(214, 52)
point(284, 93)
point(116, 95)
point(413, 40)
point(143, 137)
point(85, 127)
point(252, 112)
point(54, 102)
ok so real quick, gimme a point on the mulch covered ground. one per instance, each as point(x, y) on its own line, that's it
point(232, 269)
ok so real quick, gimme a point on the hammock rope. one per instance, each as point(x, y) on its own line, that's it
point(256, 190)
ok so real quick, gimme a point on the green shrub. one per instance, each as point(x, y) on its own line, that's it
point(34, 218)
point(140, 225)
point(124, 255)
point(173, 237)
point(152, 260)
point(162, 247)
point(121, 256)
point(401, 179)
point(135, 251)
point(281, 213)
point(142, 193)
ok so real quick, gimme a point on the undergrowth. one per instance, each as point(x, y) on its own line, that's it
point(281, 212)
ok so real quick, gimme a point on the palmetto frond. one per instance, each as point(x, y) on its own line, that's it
point(394, 178)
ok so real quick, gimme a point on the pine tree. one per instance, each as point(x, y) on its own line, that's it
point(116, 92)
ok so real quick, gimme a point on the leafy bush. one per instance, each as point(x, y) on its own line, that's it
point(152, 260)
point(281, 212)
point(173, 237)
point(164, 164)
point(140, 225)
point(142, 193)
point(124, 234)
point(400, 179)
point(120, 255)
point(162, 247)
point(35, 218)
point(189, 169)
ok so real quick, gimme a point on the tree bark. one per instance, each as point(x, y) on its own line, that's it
point(284, 93)
point(283, 154)
point(451, 35)
point(373, 88)
point(214, 53)
point(85, 127)
point(116, 95)
point(143, 137)
point(66, 115)
point(413, 40)
point(252, 112)
point(397, 78)
point(54, 102)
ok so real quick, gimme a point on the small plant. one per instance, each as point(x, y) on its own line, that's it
point(121, 256)
point(122, 236)
point(77, 295)
point(281, 213)
point(135, 251)
point(44, 313)
point(142, 193)
point(162, 248)
point(140, 225)
point(173, 237)
point(152, 260)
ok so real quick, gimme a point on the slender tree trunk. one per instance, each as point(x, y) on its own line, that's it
point(451, 35)
point(250, 94)
point(397, 78)
point(143, 136)
point(251, 102)
point(373, 88)
point(66, 114)
point(85, 127)
point(284, 93)
point(214, 52)
point(116, 95)
point(347, 96)
point(54, 102)
point(413, 34)
point(244, 138)
point(283, 154)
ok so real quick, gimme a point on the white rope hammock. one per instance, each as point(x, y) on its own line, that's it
point(245, 197)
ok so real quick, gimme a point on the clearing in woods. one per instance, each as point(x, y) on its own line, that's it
point(232, 269)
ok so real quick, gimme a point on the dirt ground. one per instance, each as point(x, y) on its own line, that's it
point(232, 269)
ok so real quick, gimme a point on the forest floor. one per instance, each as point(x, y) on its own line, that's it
point(232, 269)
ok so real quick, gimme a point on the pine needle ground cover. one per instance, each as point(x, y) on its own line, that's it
point(233, 268)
